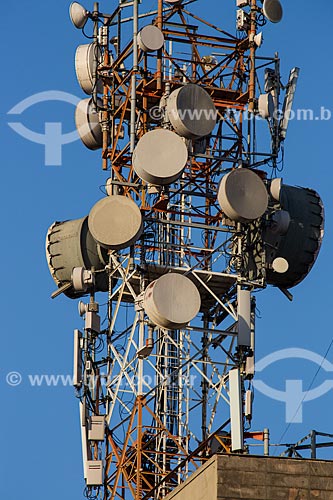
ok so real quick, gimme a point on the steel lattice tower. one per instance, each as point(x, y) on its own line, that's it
point(166, 399)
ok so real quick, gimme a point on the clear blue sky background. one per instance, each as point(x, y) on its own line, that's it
point(40, 445)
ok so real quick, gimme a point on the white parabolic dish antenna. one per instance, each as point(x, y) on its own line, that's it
point(88, 125)
point(86, 57)
point(115, 222)
point(191, 111)
point(172, 301)
point(160, 157)
point(150, 38)
point(242, 195)
point(273, 10)
point(78, 15)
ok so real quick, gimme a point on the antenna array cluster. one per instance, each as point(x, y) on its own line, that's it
point(194, 221)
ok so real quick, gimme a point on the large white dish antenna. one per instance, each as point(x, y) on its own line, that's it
point(78, 15)
point(273, 10)
point(88, 124)
point(115, 222)
point(172, 301)
point(242, 195)
point(87, 57)
point(150, 38)
point(160, 157)
point(191, 111)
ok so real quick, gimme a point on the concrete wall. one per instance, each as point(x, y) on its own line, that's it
point(258, 478)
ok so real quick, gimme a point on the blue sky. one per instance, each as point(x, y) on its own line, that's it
point(41, 454)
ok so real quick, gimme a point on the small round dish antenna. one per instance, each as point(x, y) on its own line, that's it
point(150, 38)
point(78, 14)
point(172, 301)
point(115, 222)
point(242, 195)
point(160, 157)
point(273, 10)
point(86, 57)
point(191, 111)
point(280, 265)
point(88, 125)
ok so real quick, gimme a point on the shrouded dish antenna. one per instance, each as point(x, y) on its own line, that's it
point(172, 301)
point(88, 124)
point(160, 157)
point(242, 195)
point(86, 59)
point(115, 222)
point(78, 14)
point(150, 39)
point(273, 10)
point(191, 111)
point(70, 245)
point(173, 2)
point(301, 243)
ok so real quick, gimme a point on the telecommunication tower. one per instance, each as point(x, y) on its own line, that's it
point(194, 221)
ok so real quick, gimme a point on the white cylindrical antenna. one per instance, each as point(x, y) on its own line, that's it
point(77, 365)
point(248, 405)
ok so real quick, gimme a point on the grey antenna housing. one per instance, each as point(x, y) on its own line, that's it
point(191, 111)
point(70, 245)
point(242, 195)
point(301, 243)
